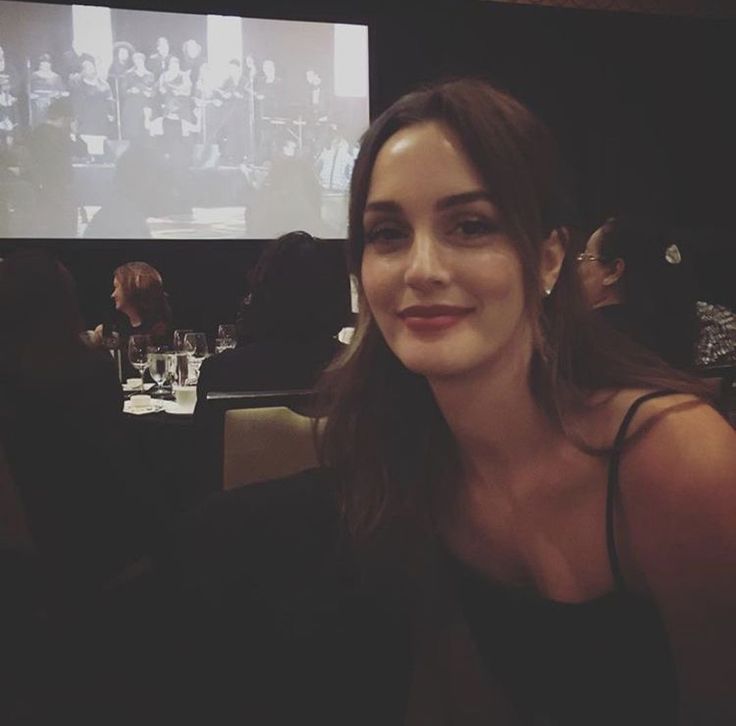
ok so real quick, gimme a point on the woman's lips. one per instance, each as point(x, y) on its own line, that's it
point(432, 318)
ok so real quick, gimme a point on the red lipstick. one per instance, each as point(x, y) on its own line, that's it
point(432, 318)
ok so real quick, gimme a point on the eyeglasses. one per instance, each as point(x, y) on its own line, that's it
point(588, 257)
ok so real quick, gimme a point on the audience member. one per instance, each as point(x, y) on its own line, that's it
point(84, 497)
point(519, 520)
point(639, 280)
point(141, 305)
point(287, 328)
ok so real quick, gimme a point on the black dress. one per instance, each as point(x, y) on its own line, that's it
point(259, 608)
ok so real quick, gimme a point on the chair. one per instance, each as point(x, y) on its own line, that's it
point(265, 443)
point(210, 415)
point(721, 380)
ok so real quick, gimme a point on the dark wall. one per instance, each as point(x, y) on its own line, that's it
point(643, 106)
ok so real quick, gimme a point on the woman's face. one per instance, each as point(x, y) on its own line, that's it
point(592, 272)
point(442, 278)
point(118, 295)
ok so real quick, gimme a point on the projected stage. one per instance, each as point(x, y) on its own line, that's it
point(134, 124)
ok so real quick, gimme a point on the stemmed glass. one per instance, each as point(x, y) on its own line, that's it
point(195, 346)
point(159, 366)
point(179, 338)
point(138, 354)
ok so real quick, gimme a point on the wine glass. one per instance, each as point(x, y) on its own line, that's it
point(159, 366)
point(195, 345)
point(179, 338)
point(138, 354)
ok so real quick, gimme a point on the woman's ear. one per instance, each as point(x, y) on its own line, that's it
point(617, 268)
point(552, 257)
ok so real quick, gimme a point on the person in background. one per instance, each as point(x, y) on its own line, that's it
point(8, 101)
point(45, 86)
point(141, 308)
point(637, 279)
point(288, 324)
point(122, 62)
point(62, 427)
point(94, 106)
point(518, 519)
point(133, 196)
point(234, 125)
point(51, 151)
point(137, 92)
point(159, 60)
point(191, 60)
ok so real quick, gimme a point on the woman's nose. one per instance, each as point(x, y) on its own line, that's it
point(425, 266)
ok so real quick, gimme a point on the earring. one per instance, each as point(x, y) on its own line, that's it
point(547, 291)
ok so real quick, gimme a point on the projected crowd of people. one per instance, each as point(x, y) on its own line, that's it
point(235, 117)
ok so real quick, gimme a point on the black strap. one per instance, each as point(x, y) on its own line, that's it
point(613, 468)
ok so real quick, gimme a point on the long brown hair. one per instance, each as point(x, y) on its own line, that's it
point(384, 432)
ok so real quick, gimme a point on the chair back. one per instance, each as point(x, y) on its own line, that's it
point(721, 380)
point(266, 443)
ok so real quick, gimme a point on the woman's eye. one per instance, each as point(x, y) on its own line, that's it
point(474, 227)
point(384, 235)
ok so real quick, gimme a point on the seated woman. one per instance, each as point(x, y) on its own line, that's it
point(637, 280)
point(287, 329)
point(61, 418)
point(518, 520)
point(141, 307)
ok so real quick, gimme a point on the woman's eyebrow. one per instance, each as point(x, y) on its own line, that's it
point(465, 198)
point(381, 206)
point(453, 200)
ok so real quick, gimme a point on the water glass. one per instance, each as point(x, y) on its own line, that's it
point(138, 353)
point(195, 345)
point(158, 367)
point(179, 338)
point(181, 368)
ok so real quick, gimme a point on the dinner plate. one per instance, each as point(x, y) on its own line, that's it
point(130, 389)
point(176, 409)
point(140, 410)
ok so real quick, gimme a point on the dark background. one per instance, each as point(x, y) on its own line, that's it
point(643, 106)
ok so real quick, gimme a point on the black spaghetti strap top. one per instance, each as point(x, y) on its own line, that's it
point(600, 662)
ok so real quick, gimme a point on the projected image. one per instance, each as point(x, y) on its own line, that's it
point(128, 124)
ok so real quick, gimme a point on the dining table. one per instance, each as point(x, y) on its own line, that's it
point(170, 444)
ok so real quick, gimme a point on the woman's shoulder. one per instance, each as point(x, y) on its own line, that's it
point(633, 412)
point(677, 461)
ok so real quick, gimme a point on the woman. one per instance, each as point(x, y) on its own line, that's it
point(640, 281)
point(122, 62)
point(61, 419)
point(288, 325)
point(45, 86)
point(636, 279)
point(141, 307)
point(138, 88)
point(553, 512)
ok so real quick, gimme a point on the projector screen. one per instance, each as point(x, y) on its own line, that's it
point(131, 124)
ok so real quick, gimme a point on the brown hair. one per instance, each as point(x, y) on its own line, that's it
point(40, 321)
point(384, 432)
point(143, 289)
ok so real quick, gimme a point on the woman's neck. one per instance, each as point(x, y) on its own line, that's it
point(133, 317)
point(495, 419)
